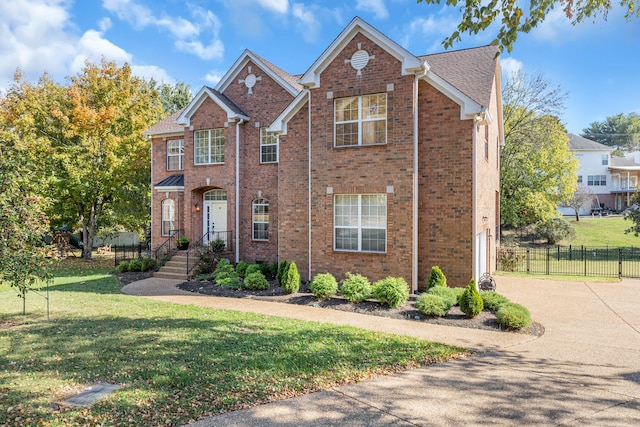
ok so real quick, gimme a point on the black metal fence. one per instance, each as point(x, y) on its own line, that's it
point(571, 261)
point(129, 252)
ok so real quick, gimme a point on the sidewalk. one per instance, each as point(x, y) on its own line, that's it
point(585, 369)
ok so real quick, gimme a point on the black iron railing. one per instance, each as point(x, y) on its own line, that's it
point(212, 245)
point(129, 252)
point(167, 249)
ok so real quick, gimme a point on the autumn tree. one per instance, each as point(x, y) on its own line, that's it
point(537, 169)
point(514, 17)
point(620, 131)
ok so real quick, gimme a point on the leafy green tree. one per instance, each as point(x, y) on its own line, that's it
point(634, 215)
point(172, 97)
point(620, 131)
point(515, 18)
point(537, 170)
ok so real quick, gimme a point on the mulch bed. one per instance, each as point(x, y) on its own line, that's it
point(486, 320)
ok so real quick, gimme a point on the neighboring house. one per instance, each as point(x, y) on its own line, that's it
point(374, 161)
point(611, 179)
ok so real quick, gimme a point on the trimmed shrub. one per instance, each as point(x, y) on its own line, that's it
point(224, 266)
point(513, 316)
point(148, 264)
point(493, 300)
point(123, 267)
point(355, 288)
point(448, 295)
point(256, 281)
point(459, 292)
point(436, 278)
point(231, 282)
point(324, 286)
point(282, 269)
point(470, 301)
point(253, 268)
point(241, 268)
point(432, 305)
point(291, 279)
point(270, 269)
point(135, 264)
point(392, 291)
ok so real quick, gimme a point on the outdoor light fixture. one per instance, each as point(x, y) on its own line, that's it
point(197, 207)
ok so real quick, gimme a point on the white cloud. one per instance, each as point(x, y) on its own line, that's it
point(137, 15)
point(306, 22)
point(429, 32)
point(214, 50)
point(377, 7)
point(510, 66)
point(279, 6)
point(104, 24)
point(152, 71)
point(214, 76)
point(92, 46)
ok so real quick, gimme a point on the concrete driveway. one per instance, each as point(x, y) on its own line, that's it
point(585, 369)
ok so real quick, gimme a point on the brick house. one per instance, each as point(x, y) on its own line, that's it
point(374, 161)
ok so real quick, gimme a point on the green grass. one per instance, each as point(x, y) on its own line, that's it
point(601, 232)
point(175, 363)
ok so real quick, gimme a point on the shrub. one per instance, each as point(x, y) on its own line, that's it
point(148, 264)
point(509, 259)
point(459, 292)
point(135, 264)
point(253, 268)
point(241, 268)
point(291, 279)
point(231, 282)
point(555, 229)
point(123, 267)
point(207, 277)
point(282, 269)
point(224, 266)
point(470, 301)
point(432, 305)
point(513, 316)
point(256, 281)
point(392, 291)
point(436, 278)
point(448, 295)
point(493, 300)
point(355, 288)
point(270, 268)
point(324, 286)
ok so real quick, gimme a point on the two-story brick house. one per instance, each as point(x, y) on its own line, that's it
point(374, 161)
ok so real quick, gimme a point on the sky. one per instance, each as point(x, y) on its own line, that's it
point(195, 42)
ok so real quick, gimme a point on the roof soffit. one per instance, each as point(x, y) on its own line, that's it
point(200, 98)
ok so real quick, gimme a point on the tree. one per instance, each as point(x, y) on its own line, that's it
point(537, 170)
point(173, 97)
point(23, 261)
point(90, 132)
point(619, 131)
point(581, 199)
point(478, 15)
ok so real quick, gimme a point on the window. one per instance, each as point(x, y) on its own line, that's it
point(268, 146)
point(595, 180)
point(361, 120)
point(579, 179)
point(260, 219)
point(168, 217)
point(605, 159)
point(175, 154)
point(360, 222)
point(209, 146)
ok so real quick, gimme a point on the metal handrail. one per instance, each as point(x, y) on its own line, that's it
point(168, 248)
point(200, 247)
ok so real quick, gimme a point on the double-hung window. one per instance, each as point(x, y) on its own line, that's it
point(361, 120)
point(209, 146)
point(595, 180)
point(175, 154)
point(168, 217)
point(360, 222)
point(260, 219)
point(268, 146)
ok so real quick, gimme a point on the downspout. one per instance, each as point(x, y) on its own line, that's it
point(309, 179)
point(414, 249)
point(474, 202)
point(237, 208)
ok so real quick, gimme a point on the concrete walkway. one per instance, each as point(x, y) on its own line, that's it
point(585, 369)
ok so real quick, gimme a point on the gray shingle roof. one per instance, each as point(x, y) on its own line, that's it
point(292, 80)
point(577, 142)
point(226, 101)
point(166, 125)
point(176, 180)
point(471, 71)
point(622, 162)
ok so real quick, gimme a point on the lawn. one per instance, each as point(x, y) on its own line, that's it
point(602, 232)
point(175, 363)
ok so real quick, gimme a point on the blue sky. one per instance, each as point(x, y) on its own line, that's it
point(196, 41)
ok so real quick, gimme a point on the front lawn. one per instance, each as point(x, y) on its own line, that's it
point(175, 363)
point(601, 232)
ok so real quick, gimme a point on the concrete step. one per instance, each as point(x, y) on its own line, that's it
point(167, 275)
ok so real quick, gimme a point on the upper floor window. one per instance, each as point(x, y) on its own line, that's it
point(268, 146)
point(260, 219)
point(605, 159)
point(579, 179)
point(596, 180)
point(361, 120)
point(360, 222)
point(168, 217)
point(175, 154)
point(209, 146)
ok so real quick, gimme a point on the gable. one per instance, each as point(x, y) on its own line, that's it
point(233, 112)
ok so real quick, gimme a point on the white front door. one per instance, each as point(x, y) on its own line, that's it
point(215, 215)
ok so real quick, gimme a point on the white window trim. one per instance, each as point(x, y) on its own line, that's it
point(359, 226)
point(263, 131)
point(170, 204)
point(180, 155)
point(359, 121)
point(264, 203)
point(209, 140)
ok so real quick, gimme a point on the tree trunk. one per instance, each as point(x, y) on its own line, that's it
point(577, 215)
